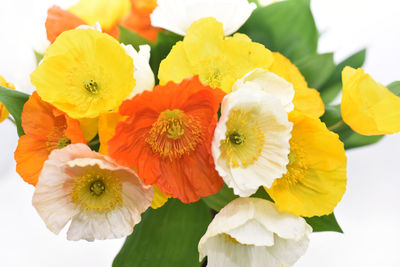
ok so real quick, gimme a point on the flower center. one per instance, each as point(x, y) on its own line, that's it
point(174, 134)
point(91, 86)
point(97, 187)
point(97, 190)
point(236, 138)
point(63, 142)
point(244, 140)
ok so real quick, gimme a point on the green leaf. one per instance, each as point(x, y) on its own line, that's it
point(327, 223)
point(14, 102)
point(165, 41)
point(220, 199)
point(333, 86)
point(358, 140)
point(287, 27)
point(127, 37)
point(332, 116)
point(166, 237)
point(316, 68)
point(395, 88)
point(38, 56)
point(328, 94)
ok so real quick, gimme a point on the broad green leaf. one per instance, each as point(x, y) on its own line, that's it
point(358, 140)
point(165, 42)
point(326, 223)
point(395, 88)
point(316, 68)
point(14, 102)
point(328, 94)
point(127, 37)
point(166, 237)
point(333, 86)
point(332, 116)
point(220, 199)
point(287, 27)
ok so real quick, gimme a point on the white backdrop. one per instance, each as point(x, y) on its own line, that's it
point(369, 212)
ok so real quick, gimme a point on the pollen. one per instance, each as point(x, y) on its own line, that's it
point(97, 190)
point(244, 140)
point(174, 134)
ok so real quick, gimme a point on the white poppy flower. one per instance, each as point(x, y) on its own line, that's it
point(252, 232)
point(251, 141)
point(101, 199)
point(143, 73)
point(178, 15)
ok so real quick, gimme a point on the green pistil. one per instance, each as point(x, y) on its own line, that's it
point(91, 86)
point(236, 138)
point(63, 142)
point(97, 187)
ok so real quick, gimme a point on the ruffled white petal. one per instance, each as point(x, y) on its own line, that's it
point(143, 73)
point(53, 196)
point(271, 164)
point(248, 221)
point(178, 15)
point(96, 27)
point(270, 83)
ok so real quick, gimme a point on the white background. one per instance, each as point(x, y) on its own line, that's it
point(369, 212)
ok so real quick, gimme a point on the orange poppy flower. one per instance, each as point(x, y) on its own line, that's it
point(46, 128)
point(139, 19)
point(167, 137)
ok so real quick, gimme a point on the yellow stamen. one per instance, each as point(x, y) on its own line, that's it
point(297, 165)
point(174, 134)
point(244, 139)
point(97, 190)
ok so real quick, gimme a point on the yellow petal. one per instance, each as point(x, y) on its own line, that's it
point(306, 100)
point(159, 198)
point(218, 61)
point(368, 107)
point(85, 73)
point(89, 128)
point(106, 12)
point(107, 124)
point(3, 111)
point(316, 178)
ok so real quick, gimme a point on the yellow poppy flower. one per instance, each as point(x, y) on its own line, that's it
point(218, 61)
point(85, 73)
point(106, 12)
point(3, 111)
point(306, 100)
point(368, 107)
point(316, 178)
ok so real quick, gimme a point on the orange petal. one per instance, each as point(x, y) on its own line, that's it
point(30, 155)
point(59, 20)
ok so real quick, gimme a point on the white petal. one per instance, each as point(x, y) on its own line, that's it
point(52, 198)
point(96, 27)
point(143, 73)
point(271, 164)
point(178, 15)
point(270, 83)
point(251, 220)
point(100, 225)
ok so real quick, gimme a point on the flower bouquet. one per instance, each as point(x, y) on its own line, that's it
point(201, 130)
